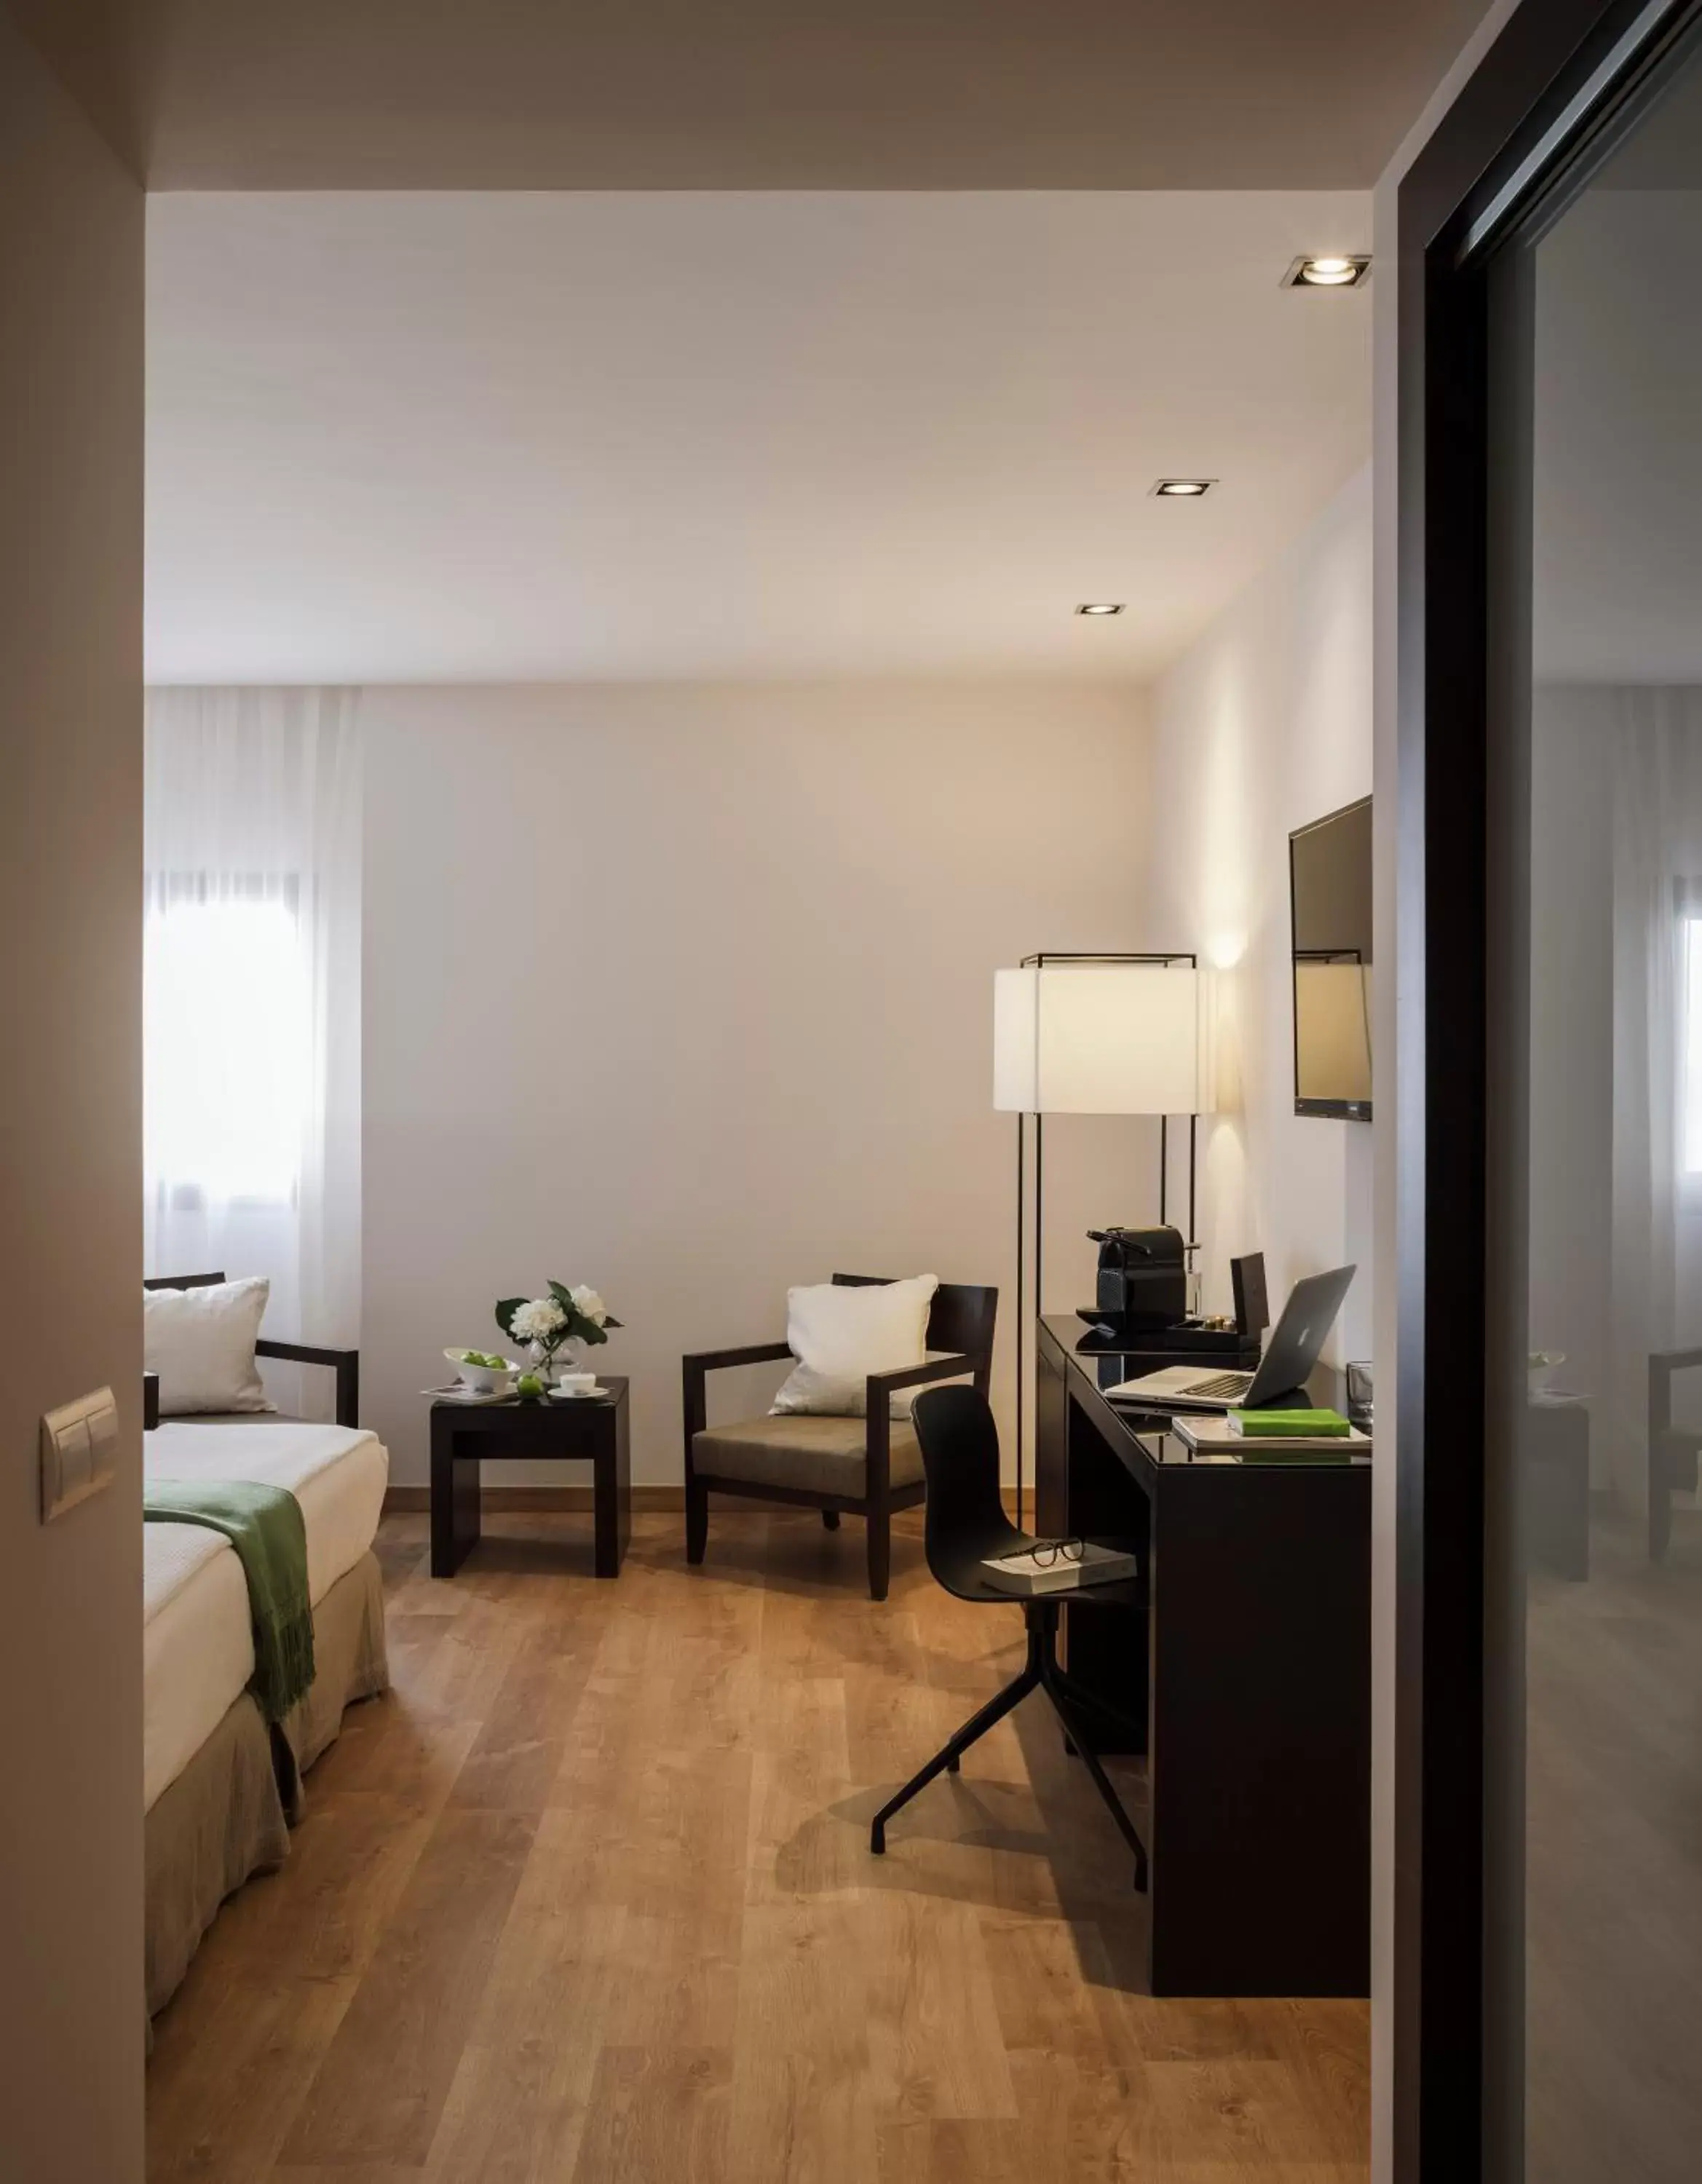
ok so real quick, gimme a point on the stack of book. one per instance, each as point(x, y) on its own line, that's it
point(1268, 1436)
point(1059, 1566)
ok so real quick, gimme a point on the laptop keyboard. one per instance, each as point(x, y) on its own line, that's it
point(1225, 1384)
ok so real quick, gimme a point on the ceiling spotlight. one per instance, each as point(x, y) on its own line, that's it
point(1101, 606)
point(1183, 489)
point(1327, 272)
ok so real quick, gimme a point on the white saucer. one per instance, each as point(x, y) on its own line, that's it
point(576, 1395)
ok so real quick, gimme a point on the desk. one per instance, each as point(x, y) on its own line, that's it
point(1250, 1675)
point(587, 1430)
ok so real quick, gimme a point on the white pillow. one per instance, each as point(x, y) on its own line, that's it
point(840, 1332)
point(201, 1342)
point(820, 1395)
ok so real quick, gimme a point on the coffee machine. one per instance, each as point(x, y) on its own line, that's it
point(1143, 1279)
point(1140, 1311)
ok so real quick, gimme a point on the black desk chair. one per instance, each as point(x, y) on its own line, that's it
point(965, 1522)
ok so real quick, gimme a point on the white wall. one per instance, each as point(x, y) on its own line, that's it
point(1264, 725)
point(70, 1153)
point(686, 990)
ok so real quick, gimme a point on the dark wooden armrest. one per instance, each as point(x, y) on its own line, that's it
point(878, 1444)
point(753, 1353)
point(305, 1353)
point(150, 1402)
point(950, 1367)
point(695, 1367)
point(345, 1363)
point(1662, 1365)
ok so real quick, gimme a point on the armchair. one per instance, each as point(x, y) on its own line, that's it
point(869, 1467)
point(345, 1363)
point(1673, 1450)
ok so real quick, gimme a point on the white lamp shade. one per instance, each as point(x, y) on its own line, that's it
point(1096, 1039)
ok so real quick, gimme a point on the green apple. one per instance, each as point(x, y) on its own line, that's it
point(530, 1386)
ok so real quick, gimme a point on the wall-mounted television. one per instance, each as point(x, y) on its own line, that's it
point(1329, 896)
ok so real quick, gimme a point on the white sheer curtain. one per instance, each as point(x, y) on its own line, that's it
point(1657, 1217)
point(253, 998)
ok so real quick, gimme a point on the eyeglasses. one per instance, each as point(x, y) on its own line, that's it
point(1048, 1552)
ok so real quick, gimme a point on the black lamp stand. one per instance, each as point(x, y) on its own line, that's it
point(1040, 962)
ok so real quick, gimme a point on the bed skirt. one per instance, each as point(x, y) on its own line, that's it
point(228, 1813)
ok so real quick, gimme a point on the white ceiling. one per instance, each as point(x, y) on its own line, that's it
point(753, 94)
point(617, 435)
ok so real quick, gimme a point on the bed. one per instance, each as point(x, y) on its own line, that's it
point(219, 1787)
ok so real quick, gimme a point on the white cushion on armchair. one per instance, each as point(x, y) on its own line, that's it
point(840, 1332)
point(201, 1342)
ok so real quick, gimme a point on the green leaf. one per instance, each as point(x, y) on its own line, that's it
point(563, 1295)
point(588, 1331)
point(505, 1315)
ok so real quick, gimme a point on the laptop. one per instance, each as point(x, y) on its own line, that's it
point(1288, 1359)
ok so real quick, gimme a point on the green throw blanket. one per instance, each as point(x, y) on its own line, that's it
point(263, 1525)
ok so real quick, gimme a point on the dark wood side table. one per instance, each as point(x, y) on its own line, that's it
point(1558, 1507)
point(587, 1430)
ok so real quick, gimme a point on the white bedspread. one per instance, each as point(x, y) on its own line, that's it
point(198, 1647)
point(338, 1474)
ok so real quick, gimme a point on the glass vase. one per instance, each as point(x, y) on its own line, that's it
point(553, 1362)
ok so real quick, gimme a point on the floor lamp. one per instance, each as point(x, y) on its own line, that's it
point(1092, 1035)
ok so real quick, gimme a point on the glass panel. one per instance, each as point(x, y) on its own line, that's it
point(1596, 1756)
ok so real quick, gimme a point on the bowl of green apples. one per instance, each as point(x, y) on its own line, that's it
point(483, 1370)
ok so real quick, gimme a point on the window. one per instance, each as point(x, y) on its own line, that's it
point(228, 1044)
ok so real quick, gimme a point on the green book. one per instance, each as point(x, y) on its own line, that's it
point(1290, 1425)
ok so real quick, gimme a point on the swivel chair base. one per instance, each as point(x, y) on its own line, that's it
point(1074, 1707)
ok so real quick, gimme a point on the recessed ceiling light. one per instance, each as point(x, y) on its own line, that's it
point(1183, 489)
point(1101, 606)
point(1327, 272)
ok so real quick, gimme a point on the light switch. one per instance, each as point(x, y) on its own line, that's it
point(104, 1436)
point(79, 1451)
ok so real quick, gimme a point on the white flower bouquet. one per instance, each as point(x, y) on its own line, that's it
point(545, 1323)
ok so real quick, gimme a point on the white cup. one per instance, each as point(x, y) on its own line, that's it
point(576, 1384)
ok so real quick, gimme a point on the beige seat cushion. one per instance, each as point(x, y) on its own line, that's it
point(818, 1456)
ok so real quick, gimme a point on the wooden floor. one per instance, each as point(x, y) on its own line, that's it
point(588, 1897)
point(1614, 1848)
